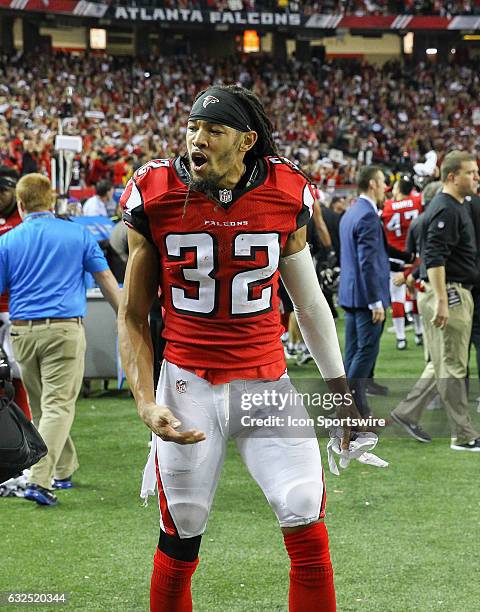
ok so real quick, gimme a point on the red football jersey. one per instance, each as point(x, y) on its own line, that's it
point(397, 216)
point(6, 224)
point(219, 263)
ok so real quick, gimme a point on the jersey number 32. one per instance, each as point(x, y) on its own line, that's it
point(202, 277)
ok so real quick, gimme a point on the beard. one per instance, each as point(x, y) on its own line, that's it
point(209, 186)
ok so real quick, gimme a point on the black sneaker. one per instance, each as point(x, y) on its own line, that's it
point(414, 430)
point(42, 496)
point(419, 339)
point(473, 447)
point(373, 388)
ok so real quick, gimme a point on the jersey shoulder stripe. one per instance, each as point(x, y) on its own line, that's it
point(287, 177)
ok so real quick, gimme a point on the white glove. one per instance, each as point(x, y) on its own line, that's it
point(428, 167)
point(358, 449)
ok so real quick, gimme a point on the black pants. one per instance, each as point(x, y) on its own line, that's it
point(475, 337)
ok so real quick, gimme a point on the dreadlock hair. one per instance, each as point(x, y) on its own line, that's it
point(265, 144)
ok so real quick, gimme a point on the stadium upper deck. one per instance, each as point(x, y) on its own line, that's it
point(121, 106)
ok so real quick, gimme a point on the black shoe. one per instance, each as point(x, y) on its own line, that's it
point(42, 496)
point(468, 446)
point(419, 339)
point(402, 344)
point(373, 388)
point(414, 430)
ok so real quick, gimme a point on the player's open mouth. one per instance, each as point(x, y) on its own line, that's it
point(198, 160)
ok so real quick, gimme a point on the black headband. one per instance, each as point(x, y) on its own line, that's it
point(7, 182)
point(222, 107)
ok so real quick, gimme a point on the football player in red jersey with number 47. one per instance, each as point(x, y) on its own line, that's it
point(214, 230)
point(397, 215)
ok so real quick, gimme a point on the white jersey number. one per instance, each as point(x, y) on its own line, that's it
point(201, 274)
point(202, 300)
point(395, 223)
point(245, 247)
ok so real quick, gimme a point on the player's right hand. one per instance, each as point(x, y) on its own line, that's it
point(162, 422)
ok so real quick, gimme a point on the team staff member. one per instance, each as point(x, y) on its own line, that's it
point(450, 257)
point(42, 264)
point(474, 206)
point(364, 281)
point(215, 228)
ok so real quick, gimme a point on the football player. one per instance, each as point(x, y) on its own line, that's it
point(215, 228)
point(397, 214)
point(10, 218)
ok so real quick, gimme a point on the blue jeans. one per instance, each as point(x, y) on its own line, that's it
point(362, 344)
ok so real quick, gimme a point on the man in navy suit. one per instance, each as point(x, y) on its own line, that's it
point(364, 281)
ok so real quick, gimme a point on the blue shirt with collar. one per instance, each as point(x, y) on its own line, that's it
point(43, 263)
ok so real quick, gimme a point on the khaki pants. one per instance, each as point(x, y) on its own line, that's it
point(52, 360)
point(445, 374)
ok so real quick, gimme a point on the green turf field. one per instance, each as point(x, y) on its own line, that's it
point(403, 538)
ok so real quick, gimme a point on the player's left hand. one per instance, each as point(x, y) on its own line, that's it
point(399, 279)
point(349, 410)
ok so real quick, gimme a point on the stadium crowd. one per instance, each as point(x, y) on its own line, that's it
point(329, 117)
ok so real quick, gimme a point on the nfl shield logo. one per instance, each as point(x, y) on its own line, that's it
point(225, 196)
point(181, 386)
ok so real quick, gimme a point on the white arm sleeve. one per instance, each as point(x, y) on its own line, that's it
point(313, 312)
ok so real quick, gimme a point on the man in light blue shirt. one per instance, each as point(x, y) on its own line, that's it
point(43, 263)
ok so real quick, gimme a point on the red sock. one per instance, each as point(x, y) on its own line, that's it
point(398, 310)
point(170, 584)
point(21, 398)
point(311, 573)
